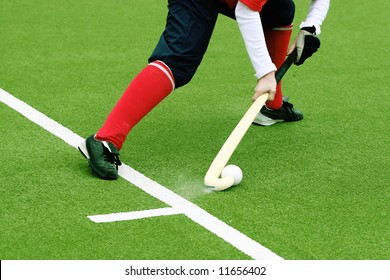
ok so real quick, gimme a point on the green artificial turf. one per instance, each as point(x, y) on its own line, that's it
point(315, 189)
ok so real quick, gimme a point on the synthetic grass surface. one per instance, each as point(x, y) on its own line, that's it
point(315, 189)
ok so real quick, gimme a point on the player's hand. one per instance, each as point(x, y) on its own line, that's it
point(266, 84)
point(306, 44)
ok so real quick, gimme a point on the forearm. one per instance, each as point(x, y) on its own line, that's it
point(316, 15)
point(251, 30)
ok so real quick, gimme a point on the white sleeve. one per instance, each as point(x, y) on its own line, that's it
point(251, 30)
point(317, 13)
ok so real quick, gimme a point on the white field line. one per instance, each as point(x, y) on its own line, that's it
point(180, 204)
point(126, 216)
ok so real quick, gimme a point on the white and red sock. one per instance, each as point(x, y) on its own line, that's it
point(277, 40)
point(148, 88)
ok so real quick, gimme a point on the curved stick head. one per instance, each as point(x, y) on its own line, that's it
point(219, 184)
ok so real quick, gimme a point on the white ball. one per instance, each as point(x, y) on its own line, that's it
point(232, 171)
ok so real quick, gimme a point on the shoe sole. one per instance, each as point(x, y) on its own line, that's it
point(265, 121)
point(83, 149)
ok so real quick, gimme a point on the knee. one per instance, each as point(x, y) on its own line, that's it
point(289, 12)
point(182, 72)
point(278, 13)
point(182, 80)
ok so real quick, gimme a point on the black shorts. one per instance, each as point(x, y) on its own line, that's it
point(190, 24)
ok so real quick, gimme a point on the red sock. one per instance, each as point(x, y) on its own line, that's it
point(149, 87)
point(277, 40)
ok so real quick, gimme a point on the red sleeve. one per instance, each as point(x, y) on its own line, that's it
point(255, 5)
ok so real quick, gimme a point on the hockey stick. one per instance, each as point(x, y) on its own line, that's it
point(212, 178)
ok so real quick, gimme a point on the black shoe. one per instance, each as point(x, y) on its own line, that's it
point(286, 113)
point(103, 157)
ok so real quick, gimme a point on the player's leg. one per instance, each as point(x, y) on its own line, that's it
point(277, 17)
point(277, 40)
point(146, 90)
point(172, 64)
